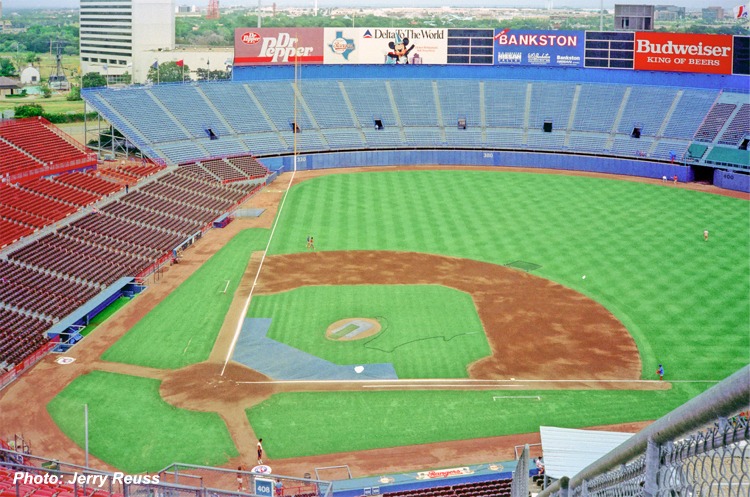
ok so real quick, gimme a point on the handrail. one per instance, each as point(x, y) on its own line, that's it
point(729, 396)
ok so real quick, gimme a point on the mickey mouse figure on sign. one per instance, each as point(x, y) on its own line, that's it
point(399, 53)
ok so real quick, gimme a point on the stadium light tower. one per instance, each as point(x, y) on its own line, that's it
point(213, 9)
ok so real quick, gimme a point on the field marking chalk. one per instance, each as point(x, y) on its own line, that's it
point(225, 288)
point(537, 397)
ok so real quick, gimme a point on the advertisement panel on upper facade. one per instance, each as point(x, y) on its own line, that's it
point(272, 46)
point(385, 46)
point(517, 47)
point(679, 52)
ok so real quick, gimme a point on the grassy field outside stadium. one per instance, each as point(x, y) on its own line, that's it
point(640, 246)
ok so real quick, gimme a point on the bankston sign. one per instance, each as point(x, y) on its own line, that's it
point(678, 52)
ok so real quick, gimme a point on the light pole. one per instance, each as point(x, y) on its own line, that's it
point(18, 56)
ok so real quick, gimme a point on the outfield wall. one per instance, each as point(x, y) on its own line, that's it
point(609, 165)
point(731, 180)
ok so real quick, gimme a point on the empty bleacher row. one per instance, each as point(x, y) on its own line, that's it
point(30, 144)
point(499, 488)
point(27, 206)
point(714, 121)
point(738, 128)
point(89, 183)
point(52, 276)
point(227, 169)
point(20, 336)
point(343, 115)
point(40, 291)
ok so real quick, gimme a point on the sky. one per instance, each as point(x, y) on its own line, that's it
point(693, 4)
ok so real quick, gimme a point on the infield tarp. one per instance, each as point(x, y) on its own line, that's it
point(283, 362)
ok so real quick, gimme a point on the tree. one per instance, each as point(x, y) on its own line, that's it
point(74, 95)
point(46, 90)
point(93, 79)
point(7, 68)
point(169, 72)
point(28, 110)
point(204, 74)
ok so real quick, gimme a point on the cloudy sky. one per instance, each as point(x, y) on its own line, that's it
point(17, 4)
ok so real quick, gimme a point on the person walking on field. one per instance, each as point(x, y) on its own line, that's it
point(240, 479)
point(260, 451)
point(660, 372)
point(705, 235)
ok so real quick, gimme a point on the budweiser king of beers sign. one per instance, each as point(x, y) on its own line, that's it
point(677, 52)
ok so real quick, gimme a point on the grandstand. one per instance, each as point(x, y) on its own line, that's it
point(80, 234)
point(30, 148)
point(656, 123)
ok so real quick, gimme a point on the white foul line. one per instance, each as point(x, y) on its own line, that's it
point(257, 274)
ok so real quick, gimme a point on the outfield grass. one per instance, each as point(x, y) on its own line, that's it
point(640, 245)
point(333, 422)
point(181, 330)
point(132, 428)
point(428, 331)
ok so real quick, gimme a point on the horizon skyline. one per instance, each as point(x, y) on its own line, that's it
point(9, 5)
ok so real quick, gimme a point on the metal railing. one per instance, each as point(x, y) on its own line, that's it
point(701, 449)
point(188, 480)
point(519, 485)
point(285, 486)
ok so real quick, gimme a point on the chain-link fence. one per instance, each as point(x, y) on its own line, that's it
point(698, 450)
point(519, 486)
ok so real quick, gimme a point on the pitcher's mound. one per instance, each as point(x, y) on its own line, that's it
point(352, 329)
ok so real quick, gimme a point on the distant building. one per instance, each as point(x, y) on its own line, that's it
point(186, 9)
point(668, 13)
point(634, 17)
point(117, 34)
point(9, 86)
point(711, 14)
point(30, 76)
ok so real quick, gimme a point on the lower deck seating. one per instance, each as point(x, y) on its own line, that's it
point(495, 488)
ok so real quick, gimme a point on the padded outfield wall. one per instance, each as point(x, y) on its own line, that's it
point(570, 162)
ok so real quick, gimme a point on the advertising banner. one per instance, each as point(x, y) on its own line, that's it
point(385, 46)
point(678, 52)
point(274, 46)
point(539, 48)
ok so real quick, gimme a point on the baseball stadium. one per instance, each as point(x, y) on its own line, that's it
point(439, 262)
